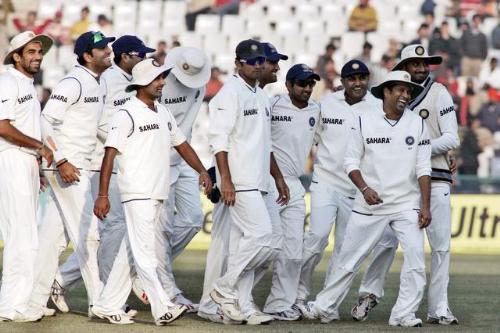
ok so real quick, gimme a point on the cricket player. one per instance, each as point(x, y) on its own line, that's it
point(20, 146)
point(69, 126)
point(332, 192)
point(294, 120)
point(436, 107)
point(140, 133)
point(239, 126)
point(398, 197)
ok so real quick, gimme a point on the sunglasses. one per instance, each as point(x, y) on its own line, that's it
point(141, 55)
point(253, 61)
point(305, 83)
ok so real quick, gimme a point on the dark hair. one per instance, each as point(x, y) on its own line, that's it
point(117, 58)
point(330, 46)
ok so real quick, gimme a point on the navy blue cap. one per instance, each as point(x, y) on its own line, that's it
point(91, 40)
point(249, 49)
point(301, 72)
point(354, 67)
point(128, 43)
point(272, 54)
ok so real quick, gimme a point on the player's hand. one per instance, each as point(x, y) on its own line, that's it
point(227, 192)
point(47, 154)
point(371, 197)
point(424, 218)
point(69, 173)
point(205, 182)
point(453, 164)
point(283, 191)
point(101, 207)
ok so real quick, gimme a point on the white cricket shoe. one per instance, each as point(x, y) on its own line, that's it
point(365, 304)
point(258, 318)
point(408, 321)
point(171, 315)
point(311, 313)
point(129, 311)
point(450, 319)
point(139, 292)
point(229, 306)
point(29, 316)
point(117, 319)
point(48, 312)
point(218, 317)
point(287, 315)
point(57, 297)
point(190, 305)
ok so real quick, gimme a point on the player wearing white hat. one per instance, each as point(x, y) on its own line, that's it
point(294, 120)
point(139, 134)
point(69, 126)
point(436, 107)
point(332, 192)
point(20, 146)
point(388, 196)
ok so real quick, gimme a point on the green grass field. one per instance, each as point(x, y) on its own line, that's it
point(474, 296)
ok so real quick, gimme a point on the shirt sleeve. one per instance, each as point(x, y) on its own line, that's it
point(8, 96)
point(222, 115)
point(447, 121)
point(355, 149)
point(176, 135)
point(423, 167)
point(120, 129)
point(66, 93)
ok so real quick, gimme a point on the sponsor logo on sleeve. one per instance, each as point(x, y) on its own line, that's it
point(24, 99)
point(447, 110)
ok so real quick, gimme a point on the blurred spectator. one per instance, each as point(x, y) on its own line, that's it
point(82, 25)
point(57, 30)
point(223, 7)
point(324, 58)
point(161, 52)
point(429, 20)
point(214, 84)
point(427, 7)
point(379, 71)
point(103, 25)
point(495, 36)
point(327, 83)
point(469, 150)
point(489, 116)
point(363, 18)
point(490, 75)
point(423, 34)
point(470, 103)
point(394, 49)
point(30, 23)
point(195, 8)
point(176, 43)
point(443, 42)
point(475, 48)
point(366, 54)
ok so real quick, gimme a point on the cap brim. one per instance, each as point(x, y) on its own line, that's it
point(135, 84)
point(306, 76)
point(378, 91)
point(277, 57)
point(146, 49)
point(432, 60)
point(45, 40)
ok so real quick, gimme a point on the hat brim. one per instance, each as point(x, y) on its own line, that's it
point(378, 91)
point(45, 40)
point(277, 57)
point(305, 76)
point(431, 60)
point(191, 81)
point(154, 74)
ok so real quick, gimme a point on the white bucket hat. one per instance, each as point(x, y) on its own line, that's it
point(144, 72)
point(397, 77)
point(190, 66)
point(416, 51)
point(20, 40)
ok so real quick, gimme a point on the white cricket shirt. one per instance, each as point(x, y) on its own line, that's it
point(292, 133)
point(19, 104)
point(239, 117)
point(436, 106)
point(336, 121)
point(73, 111)
point(391, 156)
point(143, 138)
point(184, 103)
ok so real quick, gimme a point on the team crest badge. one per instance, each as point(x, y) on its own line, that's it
point(312, 121)
point(410, 140)
point(156, 63)
point(355, 65)
point(424, 113)
point(419, 50)
point(185, 66)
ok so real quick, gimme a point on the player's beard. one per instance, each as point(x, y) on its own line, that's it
point(31, 66)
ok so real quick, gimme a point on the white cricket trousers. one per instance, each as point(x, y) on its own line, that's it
point(180, 220)
point(287, 264)
point(328, 207)
point(142, 217)
point(439, 236)
point(250, 241)
point(218, 251)
point(19, 186)
point(75, 204)
point(362, 234)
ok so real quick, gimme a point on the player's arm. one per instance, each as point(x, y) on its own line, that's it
point(447, 121)
point(279, 180)
point(352, 161)
point(190, 156)
point(101, 205)
point(222, 117)
point(66, 93)
point(423, 172)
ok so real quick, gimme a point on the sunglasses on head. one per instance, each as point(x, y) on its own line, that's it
point(253, 61)
point(97, 37)
point(304, 83)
